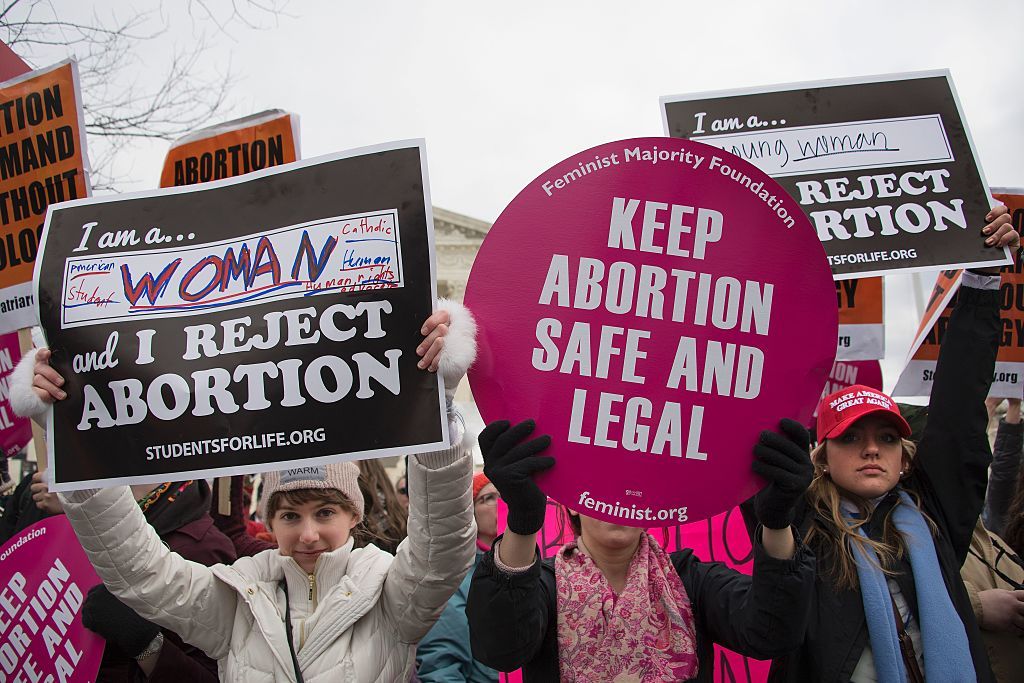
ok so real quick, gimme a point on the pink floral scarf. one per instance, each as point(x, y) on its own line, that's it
point(643, 635)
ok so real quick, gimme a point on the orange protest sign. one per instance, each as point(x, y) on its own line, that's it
point(42, 162)
point(231, 149)
point(861, 317)
point(1008, 379)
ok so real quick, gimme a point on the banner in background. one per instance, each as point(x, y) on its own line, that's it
point(233, 148)
point(651, 332)
point(15, 432)
point(11, 64)
point(884, 166)
point(43, 160)
point(244, 325)
point(44, 578)
point(847, 373)
point(861, 319)
point(1008, 378)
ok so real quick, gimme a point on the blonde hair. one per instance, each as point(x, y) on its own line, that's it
point(838, 534)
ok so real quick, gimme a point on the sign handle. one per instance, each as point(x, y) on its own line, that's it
point(224, 495)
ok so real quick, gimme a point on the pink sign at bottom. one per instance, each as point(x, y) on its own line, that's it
point(44, 577)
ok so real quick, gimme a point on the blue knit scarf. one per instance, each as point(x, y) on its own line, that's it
point(947, 652)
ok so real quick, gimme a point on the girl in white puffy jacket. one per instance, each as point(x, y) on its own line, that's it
point(315, 609)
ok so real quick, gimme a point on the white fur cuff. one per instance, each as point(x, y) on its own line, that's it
point(459, 350)
point(24, 401)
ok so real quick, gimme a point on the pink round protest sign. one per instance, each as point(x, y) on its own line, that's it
point(44, 578)
point(654, 304)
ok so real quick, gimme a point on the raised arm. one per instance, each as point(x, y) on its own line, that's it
point(509, 603)
point(135, 565)
point(440, 546)
point(951, 470)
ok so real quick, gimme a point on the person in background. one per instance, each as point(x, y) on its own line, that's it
point(994, 578)
point(402, 491)
point(26, 506)
point(993, 573)
point(1002, 478)
point(485, 507)
point(612, 602)
point(1014, 530)
point(444, 655)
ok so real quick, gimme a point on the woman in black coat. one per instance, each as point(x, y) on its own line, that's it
point(891, 522)
point(613, 603)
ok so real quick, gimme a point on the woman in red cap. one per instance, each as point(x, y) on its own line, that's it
point(890, 522)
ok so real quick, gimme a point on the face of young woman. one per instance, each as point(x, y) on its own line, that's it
point(609, 537)
point(867, 458)
point(402, 489)
point(485, 509)
point(305, 531)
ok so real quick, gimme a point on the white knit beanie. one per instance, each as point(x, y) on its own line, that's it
point(342, 476)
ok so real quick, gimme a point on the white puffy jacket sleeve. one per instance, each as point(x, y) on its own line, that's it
point(137, 567)
point(441, 546)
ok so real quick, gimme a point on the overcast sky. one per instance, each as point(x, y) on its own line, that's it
point(501, 91)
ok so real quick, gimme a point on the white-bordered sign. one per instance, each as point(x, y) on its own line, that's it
point(243, 325)
point(884, 166)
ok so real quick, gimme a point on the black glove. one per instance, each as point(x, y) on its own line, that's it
point(117, 622)
point(786, 463)
point(510, 465)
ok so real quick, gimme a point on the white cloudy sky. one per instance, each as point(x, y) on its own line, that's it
point(501, 91)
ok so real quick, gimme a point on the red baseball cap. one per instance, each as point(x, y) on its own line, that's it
point(839, 410)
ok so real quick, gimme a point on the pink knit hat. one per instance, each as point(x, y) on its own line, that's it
point(341, 476)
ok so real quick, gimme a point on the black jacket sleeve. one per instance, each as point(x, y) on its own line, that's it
point(508, 614)
point(1002, 480)
point(951, 468)
point(762, 616)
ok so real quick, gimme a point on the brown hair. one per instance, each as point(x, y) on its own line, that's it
point(572, 518)
point(385, 519)
point(837, 534)
point(303, 496)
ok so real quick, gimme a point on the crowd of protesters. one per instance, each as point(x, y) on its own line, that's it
point(879, 554)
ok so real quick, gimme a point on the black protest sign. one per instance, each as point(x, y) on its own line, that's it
point(245, 325)
point(884, 166)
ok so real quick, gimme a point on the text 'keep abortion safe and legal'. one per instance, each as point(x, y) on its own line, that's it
point(699, 366)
